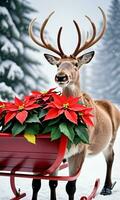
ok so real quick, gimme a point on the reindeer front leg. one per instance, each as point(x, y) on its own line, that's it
point(75, 163)
point(53, 185)
point(36, 185)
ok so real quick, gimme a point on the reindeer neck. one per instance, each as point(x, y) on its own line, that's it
point(72, 90)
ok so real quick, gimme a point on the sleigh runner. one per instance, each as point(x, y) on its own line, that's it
point(37, 161)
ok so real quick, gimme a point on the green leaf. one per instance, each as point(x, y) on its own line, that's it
point(6, 127)
point(33, 119)
point(42, 113)
point(18, 128)
point(66, 130)
point(69, 145)
point(72, 131)
point(32, 129)
point(82, 132)
point(54, 121)
point(77, 140)
point(55, 133)
point(47, 129)
point(40, 128)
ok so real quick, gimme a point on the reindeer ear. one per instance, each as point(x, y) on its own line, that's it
point(51, 59)
point(85, 58)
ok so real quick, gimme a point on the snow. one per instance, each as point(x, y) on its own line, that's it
point(16, 19)
point(29, 82)
point(27, 40)
point(6, 91)
point(5, 12)
point(13, 6)
point(31, 55)
point(4, 24)
point(33, 70)
point(8, 46)
point(14, 70)
point(94, 167)
point(18, 45)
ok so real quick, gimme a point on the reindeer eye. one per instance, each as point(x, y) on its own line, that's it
point(57, 65)
point(76, 64)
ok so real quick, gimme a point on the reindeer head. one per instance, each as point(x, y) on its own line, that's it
point(68, 66)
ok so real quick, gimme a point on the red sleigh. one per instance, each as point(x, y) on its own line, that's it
point(34, 161)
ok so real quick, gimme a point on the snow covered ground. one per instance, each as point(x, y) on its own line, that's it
point(94, 167)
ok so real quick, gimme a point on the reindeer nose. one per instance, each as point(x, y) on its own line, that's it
point(61, 78)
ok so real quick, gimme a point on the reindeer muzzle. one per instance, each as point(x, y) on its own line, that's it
point(61, 78)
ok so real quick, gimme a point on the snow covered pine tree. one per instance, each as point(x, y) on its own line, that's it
point(20, 71)
point(103, 79)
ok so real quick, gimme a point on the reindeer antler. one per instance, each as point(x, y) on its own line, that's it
point(93, 39)
point(43, 42)
point(88, 43)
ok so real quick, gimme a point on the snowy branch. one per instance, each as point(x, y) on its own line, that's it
point(14, 70)
point(5, 12)
point(8, 46)
point(6, 92)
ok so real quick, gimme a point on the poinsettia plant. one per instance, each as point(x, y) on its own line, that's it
point(47, 112)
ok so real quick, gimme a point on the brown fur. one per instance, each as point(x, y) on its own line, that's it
point(106, 120)
point(102, 135)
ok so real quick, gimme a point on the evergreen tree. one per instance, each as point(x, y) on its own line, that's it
point(20, 70)
point(104, 74)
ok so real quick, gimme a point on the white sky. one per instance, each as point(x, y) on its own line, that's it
point(65, 12)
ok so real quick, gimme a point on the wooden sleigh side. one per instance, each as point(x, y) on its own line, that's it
point(19, 158)
point(18, 155)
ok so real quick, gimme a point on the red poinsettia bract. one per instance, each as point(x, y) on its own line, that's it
point(42, 95)
point(86, 116)
point(2, 107)
point(19, 109)
point(64, 105)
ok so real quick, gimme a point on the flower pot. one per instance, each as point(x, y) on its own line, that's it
point(44, 157)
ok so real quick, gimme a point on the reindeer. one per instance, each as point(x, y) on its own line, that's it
point(106, 115)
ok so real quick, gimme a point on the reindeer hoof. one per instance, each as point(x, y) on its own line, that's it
point(106, 191)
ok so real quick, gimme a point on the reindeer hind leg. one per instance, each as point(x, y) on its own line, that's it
point(109, 157)
point(71, 189)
